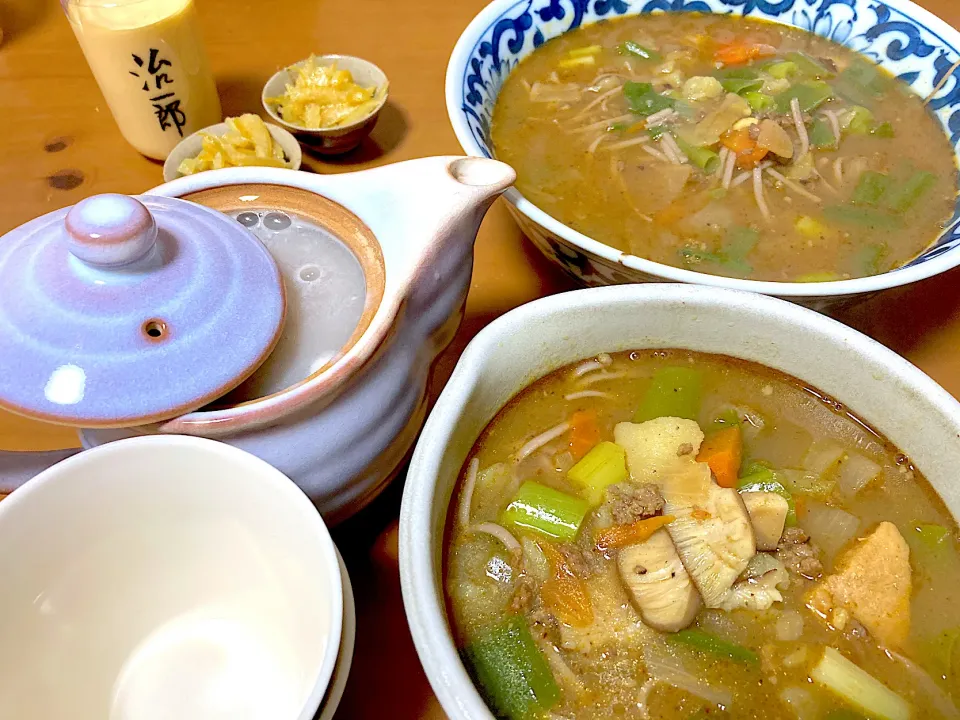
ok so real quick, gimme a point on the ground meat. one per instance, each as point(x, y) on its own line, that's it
point(582, 561)
point(630, 502)
point(798, 555)
point(544, 624)
point(522, 596)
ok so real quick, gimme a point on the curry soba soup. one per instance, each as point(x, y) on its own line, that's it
point(672, 535)
point(727, 145)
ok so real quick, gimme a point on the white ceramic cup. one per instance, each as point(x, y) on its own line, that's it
point(896, 398)
point(165, 578)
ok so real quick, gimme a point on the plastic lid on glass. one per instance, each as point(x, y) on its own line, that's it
point(124, 311)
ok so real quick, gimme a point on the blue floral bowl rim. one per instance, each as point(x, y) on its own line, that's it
point(903, 275)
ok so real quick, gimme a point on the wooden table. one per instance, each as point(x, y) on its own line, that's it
point(58, 144)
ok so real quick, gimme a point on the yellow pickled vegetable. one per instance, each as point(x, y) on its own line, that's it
point(247, 142)
point(324, 97)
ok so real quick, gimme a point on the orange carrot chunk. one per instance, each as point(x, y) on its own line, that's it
point(723, 452)
point(740, 53)
point(618, 536)
point(749, 154)
point(584, 432)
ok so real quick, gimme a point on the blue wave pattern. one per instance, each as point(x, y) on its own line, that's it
point(915, 53)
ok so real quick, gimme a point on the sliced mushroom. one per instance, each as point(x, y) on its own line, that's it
point(658, 583)
point(759, 586)
point(768, 512)
point(712, 532)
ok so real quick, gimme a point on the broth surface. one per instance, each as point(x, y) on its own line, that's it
point(725, 179)
point(617, 664)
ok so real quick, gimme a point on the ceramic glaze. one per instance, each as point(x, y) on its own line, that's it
point(912, 44)
point(343, 432)
point(103, 305)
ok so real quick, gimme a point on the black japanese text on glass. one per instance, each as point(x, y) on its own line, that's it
point(166, 104)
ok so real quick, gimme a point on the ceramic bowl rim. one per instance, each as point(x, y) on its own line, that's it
point(832, 289)
point(281, 486)
point(419, 573)
point(283, 137)
point(336, 129)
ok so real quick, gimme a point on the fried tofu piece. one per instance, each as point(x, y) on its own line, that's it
point(872, 584)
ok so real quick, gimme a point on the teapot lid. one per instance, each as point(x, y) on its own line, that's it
point(126, 310)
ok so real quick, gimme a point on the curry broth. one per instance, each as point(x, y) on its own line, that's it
point(602, 670)
point(588, 159)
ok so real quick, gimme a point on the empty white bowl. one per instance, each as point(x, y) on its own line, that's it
point(191, 146)
point(165, 578)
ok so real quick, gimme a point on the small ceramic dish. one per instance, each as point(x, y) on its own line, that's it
point(191, 145)
point(341, 138)
point(167, 576)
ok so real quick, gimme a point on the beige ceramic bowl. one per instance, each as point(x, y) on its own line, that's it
point(342, 138)
point(191, 145)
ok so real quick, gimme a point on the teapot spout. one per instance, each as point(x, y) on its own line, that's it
point(425, 213)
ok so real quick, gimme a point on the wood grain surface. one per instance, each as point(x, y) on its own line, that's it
point(59, 144)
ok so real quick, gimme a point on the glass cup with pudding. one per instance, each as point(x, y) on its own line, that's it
point(149, 61)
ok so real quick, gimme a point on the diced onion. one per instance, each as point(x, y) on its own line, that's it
point(855, 472)
point(829, 527)
point(789, 626)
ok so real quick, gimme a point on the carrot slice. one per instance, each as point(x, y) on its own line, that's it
point(682, 207)
point(566, 597)
point(740, 53)
point(749, 154)
point(631, 533)
point(584, 432)
point(722, 451)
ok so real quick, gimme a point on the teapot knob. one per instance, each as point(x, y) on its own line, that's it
point(110, 230)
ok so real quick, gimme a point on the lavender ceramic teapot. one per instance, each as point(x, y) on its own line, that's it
point(293, 315)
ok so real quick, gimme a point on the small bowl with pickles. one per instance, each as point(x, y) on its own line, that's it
point(244, 141)
point(329, 102)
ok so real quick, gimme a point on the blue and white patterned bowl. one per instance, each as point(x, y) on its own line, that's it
point(905, 39)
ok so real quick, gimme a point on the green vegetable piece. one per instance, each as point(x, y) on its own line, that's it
point(604, 465)
point(546, 511)
point(616, 127)
point(631, 48)
point(861, 122)
point(643, 100)
point(809, 67)
point(864, 217)
point(704, 158)
point(741, 85)
point(656, 131)
point(759, 101)
point(870, 188)
point(869, 259)
point(782, 70)
point(883, 130)
point(765, 480)
point(717, 193)
point(902, 197)
point(740, 241)
point(858, 687)
point(511, 672)
point(811, 95)
point(821, 134)
point(941, 654)
point(866, 76)
point(673, 392)
point(930, 542)
point(716, 646)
